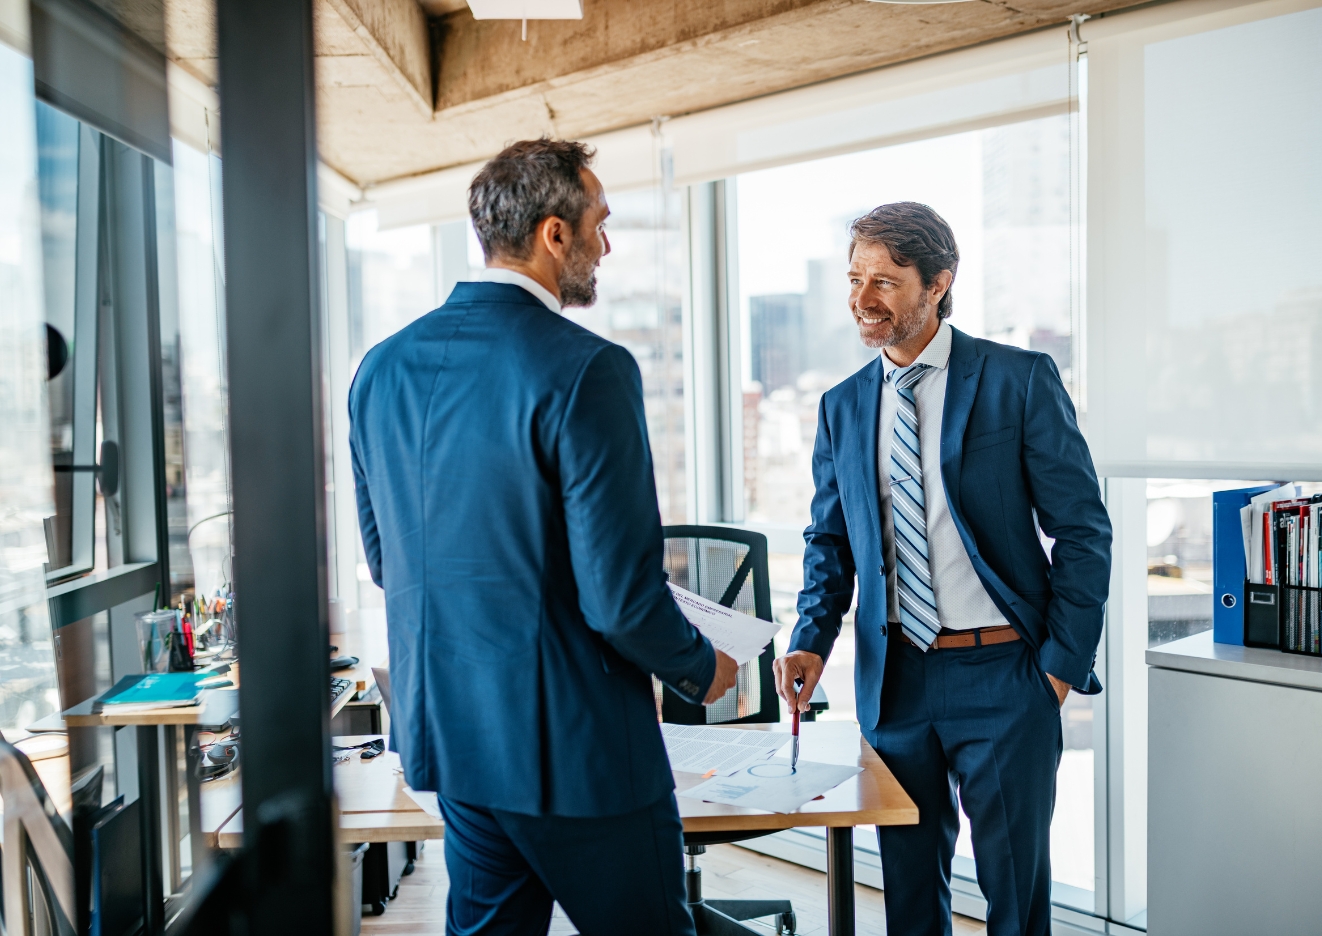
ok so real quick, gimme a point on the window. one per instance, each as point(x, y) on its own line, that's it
point(639, 305)
point(392, 280)
point(28, 688)
point(202, 367)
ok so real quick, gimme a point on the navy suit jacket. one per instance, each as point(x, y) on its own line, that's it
point(1010, 446)
point(508, 509)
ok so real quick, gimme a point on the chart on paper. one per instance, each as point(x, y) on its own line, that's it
point(774, 785)
point(698, 749)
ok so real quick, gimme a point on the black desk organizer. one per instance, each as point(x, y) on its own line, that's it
point(1283, 617)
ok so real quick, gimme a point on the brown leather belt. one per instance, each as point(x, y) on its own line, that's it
point(982, 637)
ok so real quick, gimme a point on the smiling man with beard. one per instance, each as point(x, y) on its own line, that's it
point(508, 508)
point(935, 466)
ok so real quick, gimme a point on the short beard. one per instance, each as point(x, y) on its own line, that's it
point(909, 324)
point(578, 279)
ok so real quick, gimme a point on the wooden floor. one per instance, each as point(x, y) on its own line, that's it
point(728, 871)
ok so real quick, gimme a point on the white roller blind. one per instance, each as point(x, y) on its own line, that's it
point(1015, 79)
point(1205, 242)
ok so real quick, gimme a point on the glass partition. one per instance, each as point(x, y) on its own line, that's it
point(28, 688)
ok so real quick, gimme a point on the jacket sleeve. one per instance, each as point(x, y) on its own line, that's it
point(614, 527)
point(1065, 493)
point(366, 516)
point(828, 560)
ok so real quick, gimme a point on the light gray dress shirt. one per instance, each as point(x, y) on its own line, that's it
point(961, 601)
point(514, 278)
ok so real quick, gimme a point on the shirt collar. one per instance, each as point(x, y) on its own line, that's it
point(936, 354)
point(515, 278)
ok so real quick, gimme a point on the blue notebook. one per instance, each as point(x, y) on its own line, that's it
point(153, 690)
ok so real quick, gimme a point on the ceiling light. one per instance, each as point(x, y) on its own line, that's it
point(526, 9)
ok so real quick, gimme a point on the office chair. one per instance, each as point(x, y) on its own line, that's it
point(727, 566)
point(38, 870)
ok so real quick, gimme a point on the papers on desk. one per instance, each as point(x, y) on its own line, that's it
point(426, 801)
point(698, 749)
point(773, 785)
point(729, 631)
point(151, 692)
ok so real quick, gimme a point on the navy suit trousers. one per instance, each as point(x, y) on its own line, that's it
point(612, 874)
point(984, 720)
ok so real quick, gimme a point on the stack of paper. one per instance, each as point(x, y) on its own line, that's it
point(697, 749)
point(729, 631)
point(152, 691)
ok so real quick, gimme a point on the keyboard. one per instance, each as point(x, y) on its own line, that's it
point(339, 687)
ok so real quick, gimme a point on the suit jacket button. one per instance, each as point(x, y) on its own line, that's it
point(883, 630)
point(881, 569)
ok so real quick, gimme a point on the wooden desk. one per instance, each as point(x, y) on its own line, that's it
point(373, 804)
point(873, 797)
point(216, 708)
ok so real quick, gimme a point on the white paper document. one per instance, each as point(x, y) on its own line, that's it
point(773, 785)
point(729, 631)
point(698, 749)
point(427, 802)
point(1250, 519)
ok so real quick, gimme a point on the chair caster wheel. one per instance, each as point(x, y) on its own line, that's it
point(786, 925)
point(378, 907)
point(408, 868)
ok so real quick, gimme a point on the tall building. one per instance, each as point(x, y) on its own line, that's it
point(776, 339)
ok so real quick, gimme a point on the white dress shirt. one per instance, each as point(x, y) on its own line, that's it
point(961, 601)
point(515, 278)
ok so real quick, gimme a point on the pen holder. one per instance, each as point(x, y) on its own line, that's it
point(1301, 620)
point(155, 633)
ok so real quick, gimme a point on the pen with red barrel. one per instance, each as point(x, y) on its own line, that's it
point(794, 729)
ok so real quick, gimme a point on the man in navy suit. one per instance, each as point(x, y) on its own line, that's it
point(508, 509)
point(935, 466)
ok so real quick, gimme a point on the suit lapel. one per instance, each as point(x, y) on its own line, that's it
point(965, 370)
point(869, 415)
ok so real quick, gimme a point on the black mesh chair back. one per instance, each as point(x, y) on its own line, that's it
point(727, 566)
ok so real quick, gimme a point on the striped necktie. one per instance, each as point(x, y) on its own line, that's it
point(909, 513)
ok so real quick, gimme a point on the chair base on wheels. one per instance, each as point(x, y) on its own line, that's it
point(721, 917)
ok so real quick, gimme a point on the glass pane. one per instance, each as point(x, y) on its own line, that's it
point(202, 367)
point(71, 387)
point(392, 280)
point(27, 666)
point(639, 305)
point(1004, 191)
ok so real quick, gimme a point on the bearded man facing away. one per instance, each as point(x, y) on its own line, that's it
point(508, 509)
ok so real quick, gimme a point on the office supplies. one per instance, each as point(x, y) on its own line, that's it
point(794, 744)
point(774, 785)
point(149, 692)
point(738, 635)
point(343, 662)
point(697, 749)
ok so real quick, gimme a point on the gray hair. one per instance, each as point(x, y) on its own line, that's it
point(523, 185)
point(915, 236)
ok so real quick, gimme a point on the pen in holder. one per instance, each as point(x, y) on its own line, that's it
point(162, 643)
